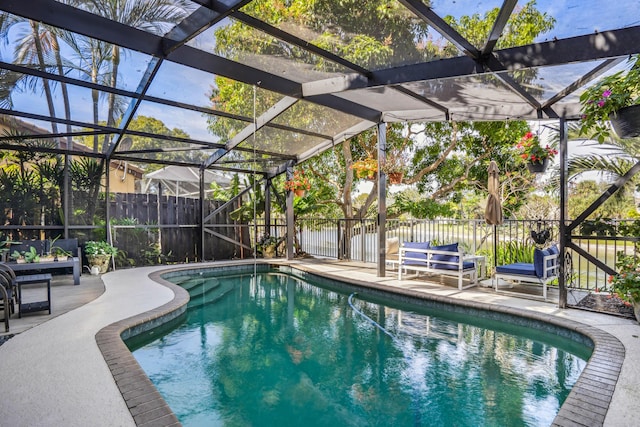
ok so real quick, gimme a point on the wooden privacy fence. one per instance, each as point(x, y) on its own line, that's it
point(154, 231)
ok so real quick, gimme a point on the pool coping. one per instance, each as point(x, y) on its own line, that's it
point(586, 405)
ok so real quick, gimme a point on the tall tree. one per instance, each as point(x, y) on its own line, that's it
point(446, 158)
point(155, 16)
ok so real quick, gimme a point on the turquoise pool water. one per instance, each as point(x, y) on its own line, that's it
point(274, 350)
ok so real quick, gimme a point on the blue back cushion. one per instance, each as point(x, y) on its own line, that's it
point(417, 257)
point(553, 250)
point(453, 247)
point(538, 261)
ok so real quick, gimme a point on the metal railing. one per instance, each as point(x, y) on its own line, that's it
point(357, 240)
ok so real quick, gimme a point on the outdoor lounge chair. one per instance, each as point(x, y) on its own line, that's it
point(10, 285)
point(543, 270)
point(8, 293)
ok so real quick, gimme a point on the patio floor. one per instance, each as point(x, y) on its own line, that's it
point(54, 373)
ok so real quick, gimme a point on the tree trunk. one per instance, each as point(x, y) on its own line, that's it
point(35, 28)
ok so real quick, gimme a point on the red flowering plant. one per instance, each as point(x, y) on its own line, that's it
point(531, 150)
point(626, 284)
point(601, 101)
point(297, 182)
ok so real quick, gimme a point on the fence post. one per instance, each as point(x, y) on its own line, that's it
point(339, 254)
point(411, 231)
point(363, 245)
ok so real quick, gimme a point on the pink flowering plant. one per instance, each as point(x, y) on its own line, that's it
point(531, 150)
point(626, 284)
point(606, 97)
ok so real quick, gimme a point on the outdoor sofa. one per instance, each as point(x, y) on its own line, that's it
point(448, 260)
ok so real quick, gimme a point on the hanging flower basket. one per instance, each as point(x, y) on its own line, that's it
point(626, 121)
point(534, 154)
point(538, 167)
point(298, 184)
point(366, 168)
point(395, 177)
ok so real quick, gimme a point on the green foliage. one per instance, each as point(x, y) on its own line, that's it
point(599, 227)
point(29, 256)
point(152, 255)
point(626, 284)
point(631, 229)
point(515, 251)
point(420, 207)
point(100, 247)
point(584, 193)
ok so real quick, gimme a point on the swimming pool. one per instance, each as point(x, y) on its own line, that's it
point(276, 350)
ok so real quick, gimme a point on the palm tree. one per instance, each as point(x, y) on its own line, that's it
point(612, 161)
point(31, 50)
point(155, 16)
point(91, 60)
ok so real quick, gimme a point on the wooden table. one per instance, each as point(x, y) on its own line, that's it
point(32, 279)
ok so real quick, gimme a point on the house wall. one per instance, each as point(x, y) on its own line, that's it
point(123, 178)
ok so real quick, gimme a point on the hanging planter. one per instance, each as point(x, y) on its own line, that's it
point(534, 154)
point(298, 184)
point(626, 121)
point(614, 99)
point(538, 167)
point(366, 168)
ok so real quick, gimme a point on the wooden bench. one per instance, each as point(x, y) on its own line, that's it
point(543, 270)
point(43, 246)
point(444, 260)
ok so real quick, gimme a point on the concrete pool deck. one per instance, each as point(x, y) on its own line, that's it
point(53, 372)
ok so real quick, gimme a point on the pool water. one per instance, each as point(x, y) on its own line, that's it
point(272, 350)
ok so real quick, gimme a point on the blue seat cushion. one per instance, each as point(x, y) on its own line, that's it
point(453, 247)
point(538, 261)
point(522, 268)
point(465, 265)
point(417, 258)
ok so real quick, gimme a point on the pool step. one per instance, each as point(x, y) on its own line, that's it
point(199, 284)
point(213, 294)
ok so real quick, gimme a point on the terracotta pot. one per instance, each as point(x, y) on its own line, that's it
point(100, 261)
point(538, 167)
point(299, 193)
point(395, 177)
point(626, 121)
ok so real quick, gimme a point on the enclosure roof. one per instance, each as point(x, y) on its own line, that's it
point(241, 85)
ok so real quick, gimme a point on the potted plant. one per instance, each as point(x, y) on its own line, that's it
point(267, 245)
point(99, 254)
point(5, 248)
point(626, 284)
point(615, 98)
point(28, 256)
point(365, 168)
point(298, 184)
point(395, 165)
point(536, 156)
